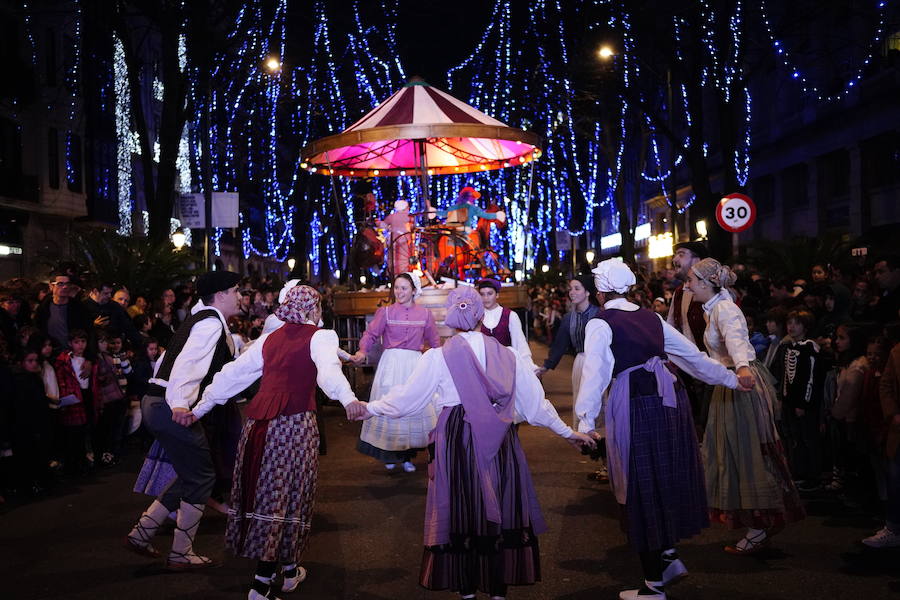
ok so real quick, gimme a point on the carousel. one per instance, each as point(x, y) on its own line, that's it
point(422, 131)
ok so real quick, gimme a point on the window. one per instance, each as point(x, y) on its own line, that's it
point(50, 56)
point(74, 162)
point(764, 194)
point(793, 186)
point(881, 160)
point(53, 158)
point(834, 175)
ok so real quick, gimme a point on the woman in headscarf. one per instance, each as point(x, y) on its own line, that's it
point(748, 482)
point(654, 462)
point(278, 455)
point(403, 329)
point(481, 515)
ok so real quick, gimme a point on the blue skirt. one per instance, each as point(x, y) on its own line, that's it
point(156, 473)
point(666, 489)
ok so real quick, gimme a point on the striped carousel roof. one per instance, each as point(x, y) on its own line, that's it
point(420, 119)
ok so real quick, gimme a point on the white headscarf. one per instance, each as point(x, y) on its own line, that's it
point(613, 275)
point(287, 287)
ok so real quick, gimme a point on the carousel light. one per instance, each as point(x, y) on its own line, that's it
point(402, 173)
point(506, 164)
point(352, 172)
point(431, 171)
point(483, 167)
point(456, 169)
point(291, 262)
point(313, 169)
point(303, 165)
point(375, 172)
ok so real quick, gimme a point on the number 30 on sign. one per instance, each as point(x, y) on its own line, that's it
point(736, 212)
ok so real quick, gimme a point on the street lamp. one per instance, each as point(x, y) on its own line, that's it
point(291, 262)
point(606, 52)
point(178, 238)
point(272, 64)
point(545, 268)
point(589, 256)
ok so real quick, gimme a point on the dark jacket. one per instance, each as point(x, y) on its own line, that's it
point(118, 319)
point(77, 319)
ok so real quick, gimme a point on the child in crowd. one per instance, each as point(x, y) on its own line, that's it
point(776, 331)
point(121, 360)
point(73, 373)
point(842, 399)
point(30, 436)
point(110, 401)
point(799, 372)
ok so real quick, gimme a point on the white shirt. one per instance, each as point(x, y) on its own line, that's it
point(726, 337)
point(236, 376)
point(491, 319)
point(193, 363)
point(77, 364)
point(431, 382)
point(599, 363)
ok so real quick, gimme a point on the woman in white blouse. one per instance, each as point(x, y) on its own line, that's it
point(748, 482)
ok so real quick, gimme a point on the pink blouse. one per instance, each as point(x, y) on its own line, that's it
point(399, 326)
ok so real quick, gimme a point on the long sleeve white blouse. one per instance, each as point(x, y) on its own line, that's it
point(599, 363)
point(236, 376)
point(431, 382)
point(726, 337)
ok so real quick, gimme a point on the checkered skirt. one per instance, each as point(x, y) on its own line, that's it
point(274, 489)
point(394, 368)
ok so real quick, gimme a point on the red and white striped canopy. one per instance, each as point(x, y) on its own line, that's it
point(420, 127)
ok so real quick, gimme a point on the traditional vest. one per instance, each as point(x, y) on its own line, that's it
point(637, 336)
point(501, 331)
point(222, 354)
point(695, 317)
point(288, 383)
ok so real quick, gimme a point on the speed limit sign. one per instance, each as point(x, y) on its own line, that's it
point(735, 212)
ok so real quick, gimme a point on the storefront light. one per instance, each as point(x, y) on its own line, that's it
point(660, 245)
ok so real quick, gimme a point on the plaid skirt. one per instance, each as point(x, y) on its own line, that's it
point(274, 488)
point(666, 493)
point(405, 433)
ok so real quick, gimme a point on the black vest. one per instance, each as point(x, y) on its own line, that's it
point(221, 355)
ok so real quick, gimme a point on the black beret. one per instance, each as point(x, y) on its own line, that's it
point(698, 248)
point(216, 281)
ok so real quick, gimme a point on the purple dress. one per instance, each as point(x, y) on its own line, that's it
point(482, 515)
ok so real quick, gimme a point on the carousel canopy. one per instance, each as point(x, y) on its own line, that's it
point(420, 127)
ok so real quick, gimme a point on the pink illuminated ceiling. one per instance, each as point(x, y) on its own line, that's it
point(390, 139)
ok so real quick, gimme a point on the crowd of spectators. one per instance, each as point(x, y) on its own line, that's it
point(76, 354)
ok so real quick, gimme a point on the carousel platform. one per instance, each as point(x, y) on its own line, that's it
point(354, 306)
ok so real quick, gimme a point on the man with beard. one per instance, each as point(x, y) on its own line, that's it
point(686, 315)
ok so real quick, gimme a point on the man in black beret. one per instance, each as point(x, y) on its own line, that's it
point(686, 315)
point(201, 346)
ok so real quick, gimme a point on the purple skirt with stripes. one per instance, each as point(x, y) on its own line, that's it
point(481, 555)
point(666, 499)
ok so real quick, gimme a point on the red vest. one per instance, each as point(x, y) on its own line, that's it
point(501, 332)
point(696, 320)
point(288, 383)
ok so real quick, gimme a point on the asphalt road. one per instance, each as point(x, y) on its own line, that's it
point(366, 541)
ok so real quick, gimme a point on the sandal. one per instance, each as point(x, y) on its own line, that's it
point(753, 545)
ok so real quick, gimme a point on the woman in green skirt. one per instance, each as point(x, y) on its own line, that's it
point(748, 482)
